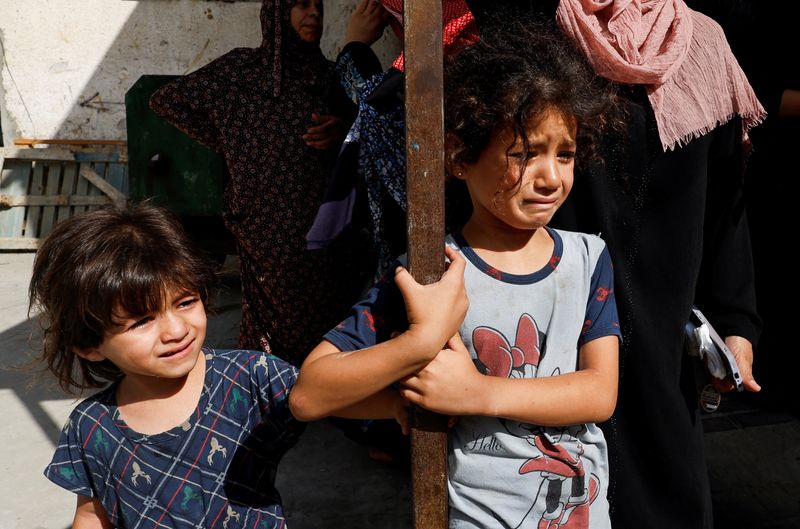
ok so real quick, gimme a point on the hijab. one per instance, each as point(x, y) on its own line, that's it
point(282, 53)
point(693, 81)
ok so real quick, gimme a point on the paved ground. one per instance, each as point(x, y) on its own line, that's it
point(327, 481)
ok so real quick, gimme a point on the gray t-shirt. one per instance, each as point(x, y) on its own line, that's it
point(503, 473)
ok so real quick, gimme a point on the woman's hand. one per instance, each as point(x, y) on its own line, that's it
point(325, 132)
point(742, 351)
point(367, 22)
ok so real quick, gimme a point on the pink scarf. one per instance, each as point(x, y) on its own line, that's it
point(693, 81)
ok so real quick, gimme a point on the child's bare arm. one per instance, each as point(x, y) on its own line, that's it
point(385, 404)
point(331, 380)
point(452, 385)
point(90, 514)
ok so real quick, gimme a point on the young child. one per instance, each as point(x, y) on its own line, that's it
point(185, 436)
point(533, 365)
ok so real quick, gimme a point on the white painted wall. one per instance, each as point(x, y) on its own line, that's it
point(66, 64)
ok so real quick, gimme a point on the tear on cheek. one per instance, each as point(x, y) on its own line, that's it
point(508, 187)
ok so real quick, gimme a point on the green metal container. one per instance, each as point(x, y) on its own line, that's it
point(173, 170)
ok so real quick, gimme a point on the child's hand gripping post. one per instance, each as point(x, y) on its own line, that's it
point(354, 383)
point(435, 311)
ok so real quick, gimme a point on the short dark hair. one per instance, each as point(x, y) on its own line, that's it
point(103, 261)
point(517, 72)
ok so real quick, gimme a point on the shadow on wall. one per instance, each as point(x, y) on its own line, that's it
point(70, 83)
point(152, 41)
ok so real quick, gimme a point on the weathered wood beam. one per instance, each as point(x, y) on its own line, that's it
point(50, 155)
point(19, 243)
point(118, 197)
point(13, 201)
point(57, 154)
point(37, 141)
point(425, 185)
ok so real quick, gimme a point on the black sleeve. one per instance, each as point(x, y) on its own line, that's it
point(341, 105)
point(364, 59)
point(355, 64)
point(726, 287)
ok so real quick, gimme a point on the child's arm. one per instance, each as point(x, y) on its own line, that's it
point(385, 404)
point(331, 380)
point(452, 385)
point(90, 514)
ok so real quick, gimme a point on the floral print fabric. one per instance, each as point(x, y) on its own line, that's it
point(253, 106)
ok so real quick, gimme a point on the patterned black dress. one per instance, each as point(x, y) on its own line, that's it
point(253, 105)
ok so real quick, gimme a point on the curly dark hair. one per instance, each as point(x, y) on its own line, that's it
point(106, 261)
point(511, 78)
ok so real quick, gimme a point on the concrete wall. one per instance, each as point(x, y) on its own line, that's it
point(66, 64)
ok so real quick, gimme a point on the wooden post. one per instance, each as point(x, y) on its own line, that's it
point(425, 185)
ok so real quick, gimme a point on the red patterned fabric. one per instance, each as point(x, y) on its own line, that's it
point(458, 26)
